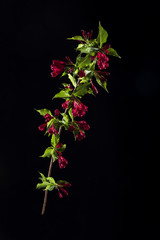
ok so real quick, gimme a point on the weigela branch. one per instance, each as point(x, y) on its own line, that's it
point(89, 69)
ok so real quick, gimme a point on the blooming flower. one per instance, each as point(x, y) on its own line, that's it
point(71, 128)
point(57, 67)
point(47, 118)
point(52, 130)
point(83, 125)
point(81, 73)
point(56, 113)
point(80, 135)
point(62, 162)
point(65, 104)
point(78, 109)
point(62, 190)
point(102, 61)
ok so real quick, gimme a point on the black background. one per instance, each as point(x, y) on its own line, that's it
point(114, 171)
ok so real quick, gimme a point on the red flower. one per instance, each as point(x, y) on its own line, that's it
point(47, 117)
point(59, 145)
point(80, 136)
point(102, 61)
point(42, 127)
point(71, 128)
point(102, 75)
point(56, 113)
point(62, 190)
point(65, 104)
point(95, 90)
point(78, 109)
point(57, 67)
point(83, 125)
point(81, 73)
point(52, 130)
point(62, 162)
point(105, 48)
point(87, 35)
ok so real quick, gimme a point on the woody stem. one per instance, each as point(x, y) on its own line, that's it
point(51, 163)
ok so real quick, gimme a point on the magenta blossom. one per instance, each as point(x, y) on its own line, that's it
point(65, 104)
point(62, 162)
point(102, 61)
point(80, 135)
point(57, 67)
point(78, 109)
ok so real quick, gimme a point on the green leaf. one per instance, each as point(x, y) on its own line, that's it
point(43, 178)
point(49, 187)
point(51, 180)
point(73, 80)
point(103, 84)
point(102, 35)
point(65, 118)
point(113, 52)
point(48, 152)
point(80, 38)
point(62, 94)
point(83, 61)
point(86, 49)
point(44, 111)
point(41, 185)
point(55, 140)
point(82, 89)
point(70, 114)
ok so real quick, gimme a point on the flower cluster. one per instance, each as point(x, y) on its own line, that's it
point(89, 69)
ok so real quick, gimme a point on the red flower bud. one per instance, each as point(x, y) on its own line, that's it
point(64, 191)
point(71, 128)
point(57, 67)
point(65, 104)
point(95, 90)
point(59, 145)
point(80, 136)
point(62, 162)
point(52, 130)
point(56, 113)
point(83, 125)
point(47, 117)
point(102, 61)
point(42, 127)
point(81, 73)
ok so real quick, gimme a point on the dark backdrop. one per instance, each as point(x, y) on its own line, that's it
point(114, 171)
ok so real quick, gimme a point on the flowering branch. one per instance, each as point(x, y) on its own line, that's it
point(81, 75)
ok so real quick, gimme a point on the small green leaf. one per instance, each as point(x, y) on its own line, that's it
point(82, 89)
point(51, 180)
point(83, 61)
point(65, 118)
point(55, 140)
point(102, 35)
point(73, 80)
point(43, 178)
point(79, 38)
point(41, 185)
point(103, 84)
point(62, 94)
point(113, 52)
point(70, 114)
point(44, 111)
point(48, 152)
